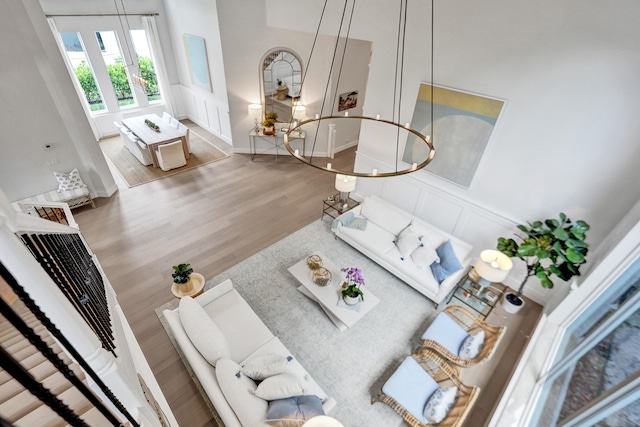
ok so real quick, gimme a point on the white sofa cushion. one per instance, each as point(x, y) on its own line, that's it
point(374, 238)
point(265, 365)
point(202, 331)
point(385, 215)
point(447, 332)
point(280, 386)
point(407, 241)
point(239, 390)
point(239, 323)
point(293, 367)
point(424, 255)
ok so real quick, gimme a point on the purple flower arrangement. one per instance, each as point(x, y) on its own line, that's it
point(351, 288)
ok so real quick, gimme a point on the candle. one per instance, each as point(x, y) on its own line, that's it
point(297, 153)
point(328, 165)
point(374, 171)
point(407, 125)
point(377, 116)
point(286, 138)
point(346, 113)
point(317, 116)
point(414, 166)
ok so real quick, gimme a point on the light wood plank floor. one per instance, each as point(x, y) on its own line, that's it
point(213, 217)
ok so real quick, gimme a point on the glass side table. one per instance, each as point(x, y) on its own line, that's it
point(481, 300)
point(331, 206)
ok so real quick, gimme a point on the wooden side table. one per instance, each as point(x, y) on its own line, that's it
point(331, 206)
point(196, 287)
point(481, 300)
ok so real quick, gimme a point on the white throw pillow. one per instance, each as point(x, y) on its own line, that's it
point(472, 345)
point(202, 331)
point(264, 366)
point(439, 404)
point(407, 241)
point(239, 390)
point(69, 181)
point(280, 386)
point(424, 255)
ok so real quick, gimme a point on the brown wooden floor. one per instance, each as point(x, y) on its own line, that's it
point(213, 217)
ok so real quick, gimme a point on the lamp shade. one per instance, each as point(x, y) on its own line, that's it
point(299, 111)
point(493, 266)
point(255, 111)
point(345, 183)
point(322, 421)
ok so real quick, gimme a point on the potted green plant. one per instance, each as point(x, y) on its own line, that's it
point(181, 273)
point(269, 122)
point(351, 292)
point(550, 248)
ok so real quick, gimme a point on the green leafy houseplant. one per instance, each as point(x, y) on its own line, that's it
point(181, 273)
point(550, 248)
point(270, 119)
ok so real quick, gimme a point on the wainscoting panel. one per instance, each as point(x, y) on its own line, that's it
point(440, 211)
point(401, 193)
point(207, 112)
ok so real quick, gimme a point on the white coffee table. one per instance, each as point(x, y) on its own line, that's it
point(328, 296)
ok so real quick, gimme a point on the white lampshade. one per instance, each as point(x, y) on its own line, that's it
point(255, 111)
point(493, 266)
point(299, 111)
point(345, 183)
point(322, 421)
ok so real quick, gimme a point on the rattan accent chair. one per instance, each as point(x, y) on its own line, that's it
point(470, 323)
point(445, 375)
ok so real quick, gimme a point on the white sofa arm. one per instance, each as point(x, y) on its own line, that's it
point(337, 223)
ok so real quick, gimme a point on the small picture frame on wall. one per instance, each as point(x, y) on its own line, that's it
point(197, 58)
point(348, 100)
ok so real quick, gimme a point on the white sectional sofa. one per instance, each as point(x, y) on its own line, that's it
point(246, 338)
point(373, 228)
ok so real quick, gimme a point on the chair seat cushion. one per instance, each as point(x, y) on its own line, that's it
point(411, 387)
point(447, 332)
point(293, 411)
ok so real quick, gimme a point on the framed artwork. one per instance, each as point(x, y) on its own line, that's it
point(347, 100)
point(461, 128)
point(197, 59)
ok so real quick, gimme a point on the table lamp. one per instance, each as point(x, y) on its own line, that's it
point(322, 421)
point(492, 267)
point(255, 113)
point(345, 184)
point(299, 113)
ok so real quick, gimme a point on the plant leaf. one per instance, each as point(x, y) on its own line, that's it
point(552, 223)
point(535, 224)
point(523, 228)
point(561, 233)
point(527, 250)
point(574, 256)
point(563, 217)
point(542, 253)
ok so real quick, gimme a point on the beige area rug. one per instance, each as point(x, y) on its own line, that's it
point(135, 173)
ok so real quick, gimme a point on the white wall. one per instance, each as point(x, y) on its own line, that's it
point(39, 106)
point(209, 109)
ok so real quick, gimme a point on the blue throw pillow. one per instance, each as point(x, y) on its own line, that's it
point(293, 411)
point(448, 264)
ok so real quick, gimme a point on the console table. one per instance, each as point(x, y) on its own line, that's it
point(274, 141)
point(334, 208)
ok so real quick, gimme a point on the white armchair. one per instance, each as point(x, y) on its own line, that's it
point(171, 155)
point(185, 131)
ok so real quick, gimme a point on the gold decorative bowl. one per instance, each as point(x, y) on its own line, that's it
point(321, 276)
point(314, 262)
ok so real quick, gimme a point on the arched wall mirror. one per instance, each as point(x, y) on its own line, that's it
point(281, 78)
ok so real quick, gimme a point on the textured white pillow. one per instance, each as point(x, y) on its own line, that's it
point(69, 181)
point(407, 241)
point(280, 386)
point(202, 331)
point(424, 255)
point(239, 390)
point(439, 403)
point(266, 365)
point(472, 345)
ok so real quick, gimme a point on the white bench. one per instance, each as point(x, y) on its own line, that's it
point(74, 198)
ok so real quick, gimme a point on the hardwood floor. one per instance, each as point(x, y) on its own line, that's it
point(213, 217)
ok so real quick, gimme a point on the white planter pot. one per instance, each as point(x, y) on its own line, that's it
point(351, 300)
point(510, 307)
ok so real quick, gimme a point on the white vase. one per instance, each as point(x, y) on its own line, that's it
point(510, 307)
point(351, 300)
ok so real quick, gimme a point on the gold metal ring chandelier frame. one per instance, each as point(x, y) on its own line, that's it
point(412, 168)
